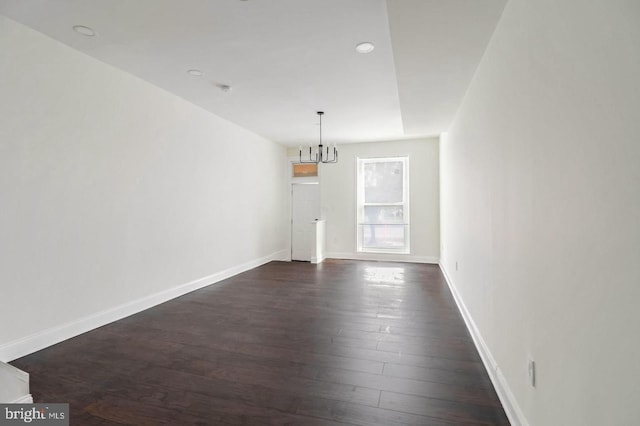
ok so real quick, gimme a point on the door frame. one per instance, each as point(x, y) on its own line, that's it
point(303, 181)
point(288, 166)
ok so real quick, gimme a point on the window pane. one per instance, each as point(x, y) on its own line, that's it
point(383, 210)
point(304, 170)
point(383, 236)
point(383, 182)
point(383, 214)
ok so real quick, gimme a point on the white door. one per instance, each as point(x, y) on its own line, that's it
point(305, 209)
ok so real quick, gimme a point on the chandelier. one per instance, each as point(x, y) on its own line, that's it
point(319, 154)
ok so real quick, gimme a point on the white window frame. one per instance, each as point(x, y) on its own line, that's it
point(360, 204)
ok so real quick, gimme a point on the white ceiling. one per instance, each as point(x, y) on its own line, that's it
point(287, 59)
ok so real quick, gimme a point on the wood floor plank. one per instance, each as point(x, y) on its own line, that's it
point(437, 347)
point(469, 377)
point(467, 394)
point(364, 416)
point(460, 413)
point(340, 343)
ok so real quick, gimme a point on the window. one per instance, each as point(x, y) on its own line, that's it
point(304, 170)
point(383, 205)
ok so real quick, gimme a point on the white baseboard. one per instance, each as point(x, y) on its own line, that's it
point(45, 338)
point(509, 403)
point(26, 399)
point(383, 257)
point(14, 385)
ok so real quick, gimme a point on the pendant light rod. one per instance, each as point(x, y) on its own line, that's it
point(320, 156)
point(320, 114)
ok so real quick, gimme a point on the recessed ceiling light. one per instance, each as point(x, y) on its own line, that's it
point(85, 31)
point(195, 72)
point(365, 47)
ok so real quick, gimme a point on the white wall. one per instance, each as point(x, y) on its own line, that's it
point(113, 189)
point(338, 198)
point(540, 190)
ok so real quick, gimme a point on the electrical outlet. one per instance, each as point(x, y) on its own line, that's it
point(532, 373)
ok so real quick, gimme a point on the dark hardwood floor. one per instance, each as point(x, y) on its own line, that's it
point(344, 342)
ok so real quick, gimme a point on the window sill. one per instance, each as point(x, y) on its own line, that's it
point(384, 251)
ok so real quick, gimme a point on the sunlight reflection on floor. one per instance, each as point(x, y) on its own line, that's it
point(385, 276)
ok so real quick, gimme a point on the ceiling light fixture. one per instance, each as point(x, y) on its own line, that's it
point(85, 31)
point(317, 155)
point(365, 47)
point(195, 72)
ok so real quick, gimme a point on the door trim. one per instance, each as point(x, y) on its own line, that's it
point(314, 182)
